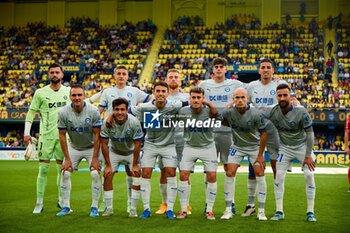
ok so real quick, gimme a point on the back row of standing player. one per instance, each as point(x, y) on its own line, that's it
point(245, 141)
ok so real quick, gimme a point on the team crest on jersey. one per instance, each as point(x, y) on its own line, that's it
point(128, 132)
point(129, 94)
point(87, 120)
point(249, 123)
point(272, 92)
point(292, 124)
point(65, 97)
point(227, 89)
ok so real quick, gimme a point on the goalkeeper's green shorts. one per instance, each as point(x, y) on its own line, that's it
point(49, 149)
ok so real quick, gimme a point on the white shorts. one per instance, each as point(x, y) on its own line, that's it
point(223, 142)
point(207, 154)
point(287, 154)
point(179, 156)
point(117, 159)
point(77, 155)
point(236, 156)
point(165, 153)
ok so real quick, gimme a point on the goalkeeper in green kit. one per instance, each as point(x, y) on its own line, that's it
point(47, 101)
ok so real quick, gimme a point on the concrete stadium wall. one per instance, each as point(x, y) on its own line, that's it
point(29, 12)
point(162, 12)
point(82, 9)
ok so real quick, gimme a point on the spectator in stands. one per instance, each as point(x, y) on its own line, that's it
point(330, 47)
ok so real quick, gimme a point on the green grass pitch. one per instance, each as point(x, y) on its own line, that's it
point(17, 200)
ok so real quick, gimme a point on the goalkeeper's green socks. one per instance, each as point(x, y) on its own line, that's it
point(41, 181)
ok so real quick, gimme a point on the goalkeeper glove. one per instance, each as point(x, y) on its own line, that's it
point(30, 152)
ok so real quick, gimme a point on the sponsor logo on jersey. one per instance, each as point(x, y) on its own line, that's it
point(80, 129)
point(57, 104)
point(222, 98)
point(267, 101)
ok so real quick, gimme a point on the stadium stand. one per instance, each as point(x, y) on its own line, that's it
point(98, 50)
point(298, 53)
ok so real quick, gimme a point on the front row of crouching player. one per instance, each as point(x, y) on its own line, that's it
point(196, 122)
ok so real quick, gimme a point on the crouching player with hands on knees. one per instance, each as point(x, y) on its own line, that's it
point(294, 126)
point(249, 138)
point(199, 144)
point(126, 136)
point(82, 122)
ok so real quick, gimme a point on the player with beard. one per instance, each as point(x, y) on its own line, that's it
point(173, 80)
point(262, 93)
point(47, 101)
point(294, 126)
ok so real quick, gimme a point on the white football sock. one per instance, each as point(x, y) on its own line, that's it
point(171, 190)
point(163, 192)
point(261, 189)
point(145, 192)
point(189, 193)
point(279, 189)
point(129, 187)
point(252, 183)
point(66, 186)
point(95, 187)
point(183, 194)
point(135, 194)
point(108, 196)
point(211, 195)
point(310, 188)
point(228, 190)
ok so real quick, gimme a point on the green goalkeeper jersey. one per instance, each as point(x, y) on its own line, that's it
point(48, 102)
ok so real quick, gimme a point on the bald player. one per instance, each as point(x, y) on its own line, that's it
point(249, 139)
point(294, 126)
